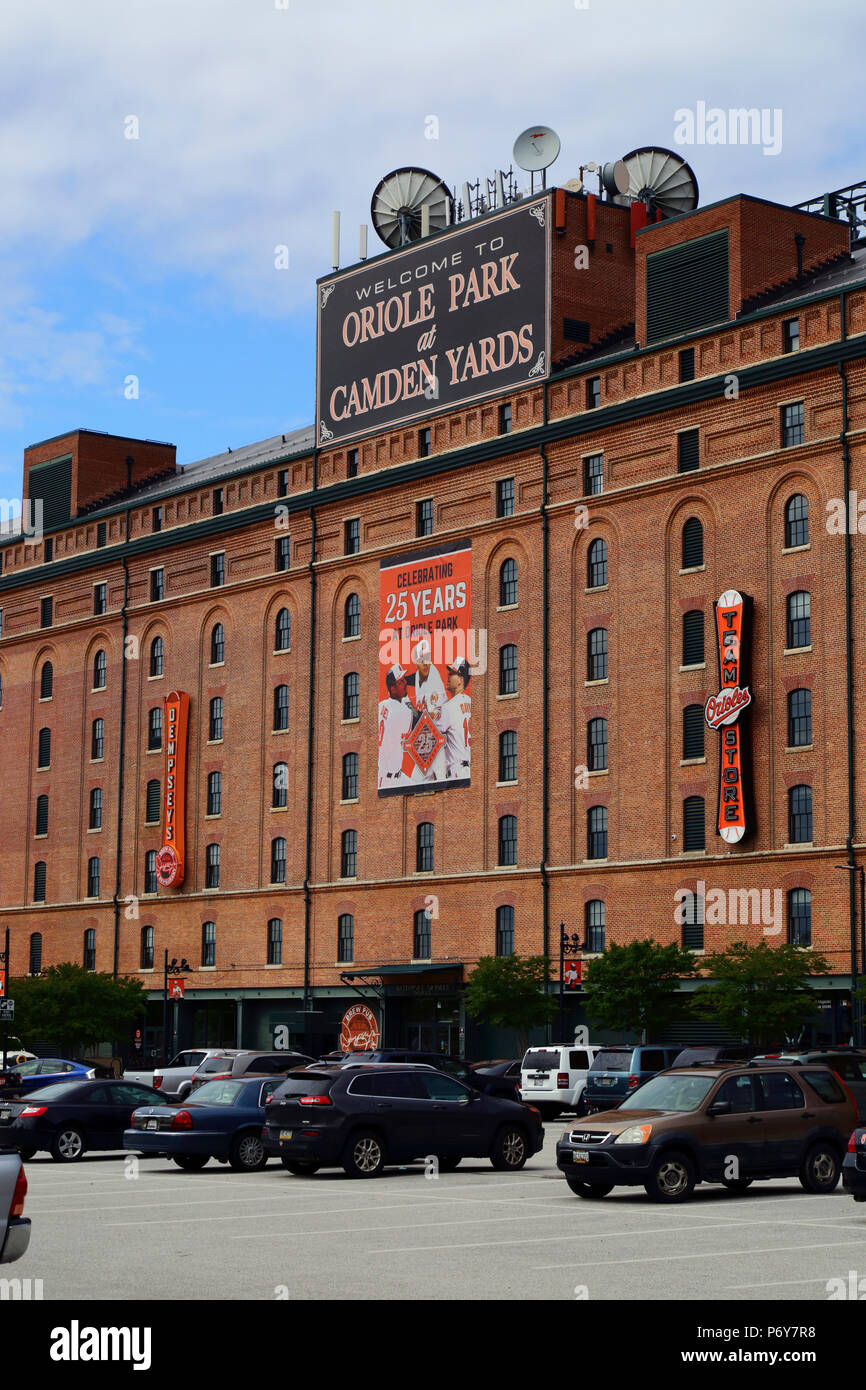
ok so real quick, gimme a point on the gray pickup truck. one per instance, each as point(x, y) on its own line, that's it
point(175, 1080)
point(14, 1227)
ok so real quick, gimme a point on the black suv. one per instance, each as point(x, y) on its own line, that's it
point(363, 1118)
point(506, 1087)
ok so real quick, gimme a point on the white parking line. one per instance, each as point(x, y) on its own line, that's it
point(383, 1230)
point(699, 1255)
point(546, 1240)
point(778, 1283)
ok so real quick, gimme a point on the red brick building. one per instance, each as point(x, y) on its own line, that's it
point(696, 427)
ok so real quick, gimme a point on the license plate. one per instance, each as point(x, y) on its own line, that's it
point(285, 1134)
point(5, 1114)
point(151, 1124)
point(581, 1156)
point(605, 1081)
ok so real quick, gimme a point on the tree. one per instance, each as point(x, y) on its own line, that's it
point(636, 988)
point(76, 1008)
point(760, 992)
point(509, 991)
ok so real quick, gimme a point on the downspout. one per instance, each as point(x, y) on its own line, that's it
point(849, 678)
point(545, 713)
point(119, 840)
point(310, 749)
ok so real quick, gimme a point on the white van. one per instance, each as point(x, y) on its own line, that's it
point(553, 1078)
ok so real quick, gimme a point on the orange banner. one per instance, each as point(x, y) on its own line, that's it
point(170, 863)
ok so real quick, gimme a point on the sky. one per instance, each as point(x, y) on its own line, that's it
point(156, 154)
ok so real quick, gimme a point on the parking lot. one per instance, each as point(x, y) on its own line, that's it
point(116, 1227)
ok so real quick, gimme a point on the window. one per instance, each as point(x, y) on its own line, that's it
point(97, 740)
point(46, 612)
point(48, 550)
point(693, 731)
point(145, 957)
point(280, 786)
point(156, 519)
point(283, 482)
point(693, 922)
point(157, 656)
point(694, 823)
point(352, 617)
point(507, 840)
point(793, 431)
point(217, 507)
point(596, 745)
point(215, 721)
point(778, 1091)
point(799, 619)
point(46, 681)
point(208, 943)
point(688, 451)
point(799, 718)
point(424, 443)
point(352, 695)
point(95, 816)
point(152, 802)
point(800, 917)
point(100, 598)
point(596, 654)
point(39, 880)
point(790, 335)
point(596, 575)
point(800, 815)
point(352, 463)
point(345, 937)
point(281, 708)
point(693, 637)
point(352, 536)
point(593, 392)
point(154, 728)
point(508, 669)
point(594, 924)
point(596, 833)
point(505, 418)
point(282, 552)
point(508, 756)
point(43, 752)
point(150, 871)
point(218, 570)
point(693, 544)
point(687, 364)
point(349, 854)
point(278, 860)
point(101, 534)
point(100, 671)
point(214, 793)
point(508, 584)
point(218, 645)
point(275, 941)
point(283, 633)
point(421, 944)
point(505, 497)
point(157, 585)
point(350, 776)
point(593, 474)
point(796, 521)
point(424, 840)
point(35, 963)
point(42, 815)
point(212, 867)
point(90, 949)
point(93, 877)
point(505, 931)
point(424, 517)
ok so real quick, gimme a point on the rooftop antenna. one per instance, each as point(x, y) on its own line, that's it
point(535, 149)
point(397, 209)
point(362, 240)
point(335, 241)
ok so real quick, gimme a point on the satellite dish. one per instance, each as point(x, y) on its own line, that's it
point(574, 185)
point(661, 179)
point(395, 208)
point(614, 177)
point(536, 148)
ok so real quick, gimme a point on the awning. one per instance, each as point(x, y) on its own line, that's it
point(376, 977)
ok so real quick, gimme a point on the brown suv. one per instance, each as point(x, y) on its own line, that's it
point(720, 1123)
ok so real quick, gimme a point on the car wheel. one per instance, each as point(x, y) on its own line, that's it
point(510, 1149)
point(191, 1163)
point(582, 1107)
point(820, 1168)
point(67, 1146)
point(365, 1155)
point(247, 1154)
point(581, 1188)
point(737, 1184)
point(673, 1178)
point(447, 1164)
point(301, 1168)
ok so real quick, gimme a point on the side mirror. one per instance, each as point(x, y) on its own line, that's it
point(720, 1107)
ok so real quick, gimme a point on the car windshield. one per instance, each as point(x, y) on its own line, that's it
point(61, 1090)
point(670, 1091)
point(218, 1092)
point(612, 1061)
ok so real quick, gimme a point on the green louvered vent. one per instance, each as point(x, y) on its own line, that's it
point(687, 286)
point(52, 482)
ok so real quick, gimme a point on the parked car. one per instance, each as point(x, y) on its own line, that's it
point(174, 1080)
point(503, 1066)
point(224, 1121)
point(854, 1165)
point(222, 1066)
point(14, 1226)
point(363, 1119)
point(849, 1063)
point(554, 1078)
point(688, 1125)
point(713, 1052)
point(25, 1077)
point(619, 1070)
point(71, 1117)
point(507, 1088)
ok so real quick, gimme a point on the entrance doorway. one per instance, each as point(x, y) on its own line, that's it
point(432, 1037)
point(432, 1025)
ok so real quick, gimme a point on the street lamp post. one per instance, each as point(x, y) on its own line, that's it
point(858, 1008)
point(170, 968)
point(4, 958)
point(572, 943)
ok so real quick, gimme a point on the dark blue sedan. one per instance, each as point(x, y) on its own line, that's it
point(224, 1121)
point(29, 1076)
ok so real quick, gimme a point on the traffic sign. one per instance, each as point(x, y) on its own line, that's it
point(7, 1010)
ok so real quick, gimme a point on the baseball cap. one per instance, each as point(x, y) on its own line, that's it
point(460, 668)
point(395, 672)
point(421, 650)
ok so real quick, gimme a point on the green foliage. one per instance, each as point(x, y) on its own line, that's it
point(508, 991)
point(75, 1008)
point(636, 988)
point(760, 991)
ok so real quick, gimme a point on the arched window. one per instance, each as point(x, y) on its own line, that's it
point(505, 930)
point(800, 917)
point(508, 669)
point(349, 854)
point(275, 941)
point(212, 867)
point(145, 958)
point(596, 832)
point(35, 962)
point(208, 943)
point(424, 837)
point(596, 654)
point(352, 617)
point(97, 739)
point(796, 521)
point(594, 924)
point(692, 922)
point(421, 943)
point(508, 584)
point(800, 815)
point(693, 637)
point(152, 802)
point(283, 631)
point(154, 728)
point(596, 745)
point(40, 874)
point(42, 815)
point(43, 748)
point(693, 544)
point(46, 681)
point(215, 721)
point(694, 823)
point(507, 840)
point(280, 788)
point(799, 619)
point(157, 656)
point(214, 794)
point(799, 718)
point(218, 645)
point(281, 708)
point(278, 860)
point(90, 949)
point(350, 776)
point(693, 731)
point(93, 871)
point(596, 565)
point(95, 808)
point(351, 695)
point(100, 670)
point(345, 937)
point(508, 755)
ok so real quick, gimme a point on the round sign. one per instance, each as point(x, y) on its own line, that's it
point(359, 1030)
point(167, 865)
